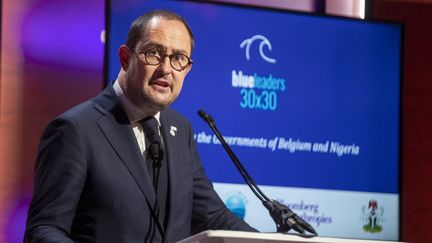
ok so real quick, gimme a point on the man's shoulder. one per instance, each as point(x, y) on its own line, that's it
point(84, 110)
point(93, 108)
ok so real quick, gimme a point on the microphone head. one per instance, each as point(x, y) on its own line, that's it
point(155, 153)
point(205, 116)
point(202, 114)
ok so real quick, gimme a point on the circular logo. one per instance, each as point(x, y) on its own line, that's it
point(236, 205)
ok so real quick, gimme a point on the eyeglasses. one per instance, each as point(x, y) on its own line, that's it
point(155, 56)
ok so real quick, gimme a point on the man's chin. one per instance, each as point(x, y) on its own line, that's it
point(159, 105)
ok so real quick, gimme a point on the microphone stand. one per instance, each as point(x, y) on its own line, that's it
point(284, 217)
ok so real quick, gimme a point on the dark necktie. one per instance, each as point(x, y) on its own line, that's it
point(154, 151)
point(156, 165)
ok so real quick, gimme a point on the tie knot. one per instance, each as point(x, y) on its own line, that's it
point(151, 128)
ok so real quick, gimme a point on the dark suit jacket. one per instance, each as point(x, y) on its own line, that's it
point(91, 184)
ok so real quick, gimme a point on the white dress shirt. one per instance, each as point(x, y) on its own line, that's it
point(134, 115)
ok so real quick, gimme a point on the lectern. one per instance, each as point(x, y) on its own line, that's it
point(225, 236)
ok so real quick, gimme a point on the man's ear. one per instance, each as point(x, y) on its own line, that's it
point(124, 55)
point(188, 68)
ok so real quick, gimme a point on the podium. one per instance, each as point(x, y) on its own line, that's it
point(226, 236)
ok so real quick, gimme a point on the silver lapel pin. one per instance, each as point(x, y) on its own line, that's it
point(173, 130)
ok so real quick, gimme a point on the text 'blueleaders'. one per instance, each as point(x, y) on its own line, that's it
point(258, 92)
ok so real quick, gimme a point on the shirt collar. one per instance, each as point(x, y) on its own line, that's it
point(133, 113)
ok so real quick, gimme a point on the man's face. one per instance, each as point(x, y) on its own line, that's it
point(154, 87)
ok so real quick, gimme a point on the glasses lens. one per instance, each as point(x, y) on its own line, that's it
point(179, 61)
point(153, 56)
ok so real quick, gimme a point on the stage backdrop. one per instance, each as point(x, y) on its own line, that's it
point(310, 104)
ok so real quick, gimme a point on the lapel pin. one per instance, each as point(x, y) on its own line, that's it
point(173, 130)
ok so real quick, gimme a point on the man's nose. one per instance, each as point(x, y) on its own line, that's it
point(165, 65)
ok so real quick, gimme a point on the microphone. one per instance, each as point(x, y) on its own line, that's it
point(156, 153)
point(205, 116)
point(283, 216)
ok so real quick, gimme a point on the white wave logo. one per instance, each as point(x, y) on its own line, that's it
point(264, 42)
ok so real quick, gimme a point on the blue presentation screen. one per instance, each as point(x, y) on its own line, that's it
point(310, 105)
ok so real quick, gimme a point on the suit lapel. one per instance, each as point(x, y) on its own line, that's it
point(118, 131)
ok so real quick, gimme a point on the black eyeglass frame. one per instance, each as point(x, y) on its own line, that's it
point(162, 58)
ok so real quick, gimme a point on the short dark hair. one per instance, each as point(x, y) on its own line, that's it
point(139, 26)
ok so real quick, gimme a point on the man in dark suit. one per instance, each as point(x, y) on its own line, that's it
point(99, 177)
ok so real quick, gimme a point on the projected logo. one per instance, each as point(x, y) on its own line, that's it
point(309, 211)
point(258, 92)
point(264, 43)
point(372, 216)
point(236, 203)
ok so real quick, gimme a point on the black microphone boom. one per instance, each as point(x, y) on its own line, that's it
point(284, 218)
point(243, 172)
